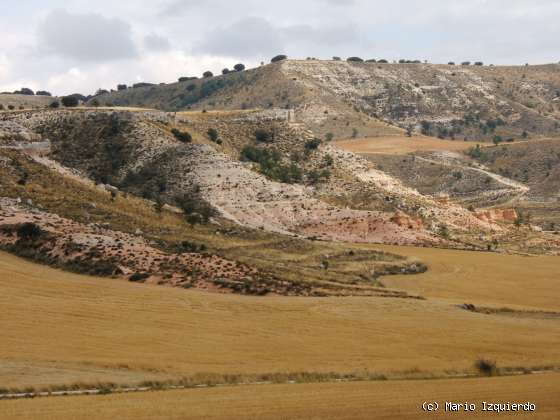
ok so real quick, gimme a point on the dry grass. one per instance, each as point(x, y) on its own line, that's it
point(63, 327)
point(397, 145)
point(483, 278)
point(362, 400)
point(285, 258)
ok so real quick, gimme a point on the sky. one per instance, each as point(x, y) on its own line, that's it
point(69, 46)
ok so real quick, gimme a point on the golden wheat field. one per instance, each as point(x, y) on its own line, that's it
point(63, 328)
point(483, 278)
point(355, 400)
point(395, 145)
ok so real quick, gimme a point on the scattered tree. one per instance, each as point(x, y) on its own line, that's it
point(70, 101)
point(355, 59)
point(213, 134)
point(207, 74)
point(142, 84)
point(497, 140)
point(43, 93)
point(475, 152)
point(239, 67)
point(196, 209)
point(24, 91)
point(226, 71)
point(279, 57)
point(122, 87)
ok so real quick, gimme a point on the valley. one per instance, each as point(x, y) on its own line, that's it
point(313, 234)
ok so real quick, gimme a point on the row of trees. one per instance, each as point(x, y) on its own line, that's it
point(29, 92)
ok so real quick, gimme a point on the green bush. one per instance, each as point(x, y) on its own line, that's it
point(213, 134)
point(262, 135)
point(182, 136)
point(139, 277)
point(312, 144)
point(187, 246)
point(196, 209)
point(475, 152)
point(29, 231)
point(270, 164)
point(486, 367)
point(70, 101)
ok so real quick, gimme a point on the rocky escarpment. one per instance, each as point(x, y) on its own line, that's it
point(450, 101)
point(137, 152)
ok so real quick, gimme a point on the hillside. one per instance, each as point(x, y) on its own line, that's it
point(24, 101)
point(347, 99)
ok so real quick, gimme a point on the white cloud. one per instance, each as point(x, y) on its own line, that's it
point(155, 42)
point(87, 36)
point(108, 42)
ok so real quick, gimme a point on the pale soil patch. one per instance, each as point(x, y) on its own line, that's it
point(49, 315)
point(359, 400)
point(396, 145)
point(483, 278)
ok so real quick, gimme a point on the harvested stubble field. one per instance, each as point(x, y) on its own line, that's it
point(82, 329)
point(355, 400)
point(523, 282)
point(395, 145)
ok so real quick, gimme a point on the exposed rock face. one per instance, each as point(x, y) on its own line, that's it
point(402, 219)
point(114, 147)
point(497, 215)
point(407, 94)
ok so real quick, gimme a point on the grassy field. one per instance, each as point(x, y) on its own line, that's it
point(395, 145)
point(63, 328)
point(360, 400)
